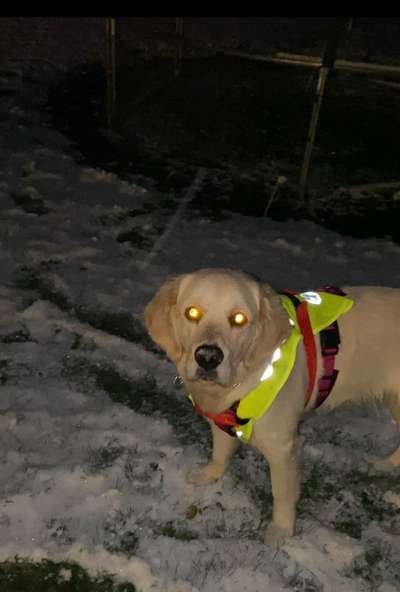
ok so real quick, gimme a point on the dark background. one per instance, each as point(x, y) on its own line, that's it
point(246, 121)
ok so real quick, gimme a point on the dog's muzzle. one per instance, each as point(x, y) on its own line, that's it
point(208, 357)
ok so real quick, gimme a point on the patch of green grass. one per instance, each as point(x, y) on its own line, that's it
point(4, 365)
point(104, 457)
point(20, 335)
point(136, 239)
point(121, 389)
point(119, 215)
point(34, 278)
point(377, 564)
point(176, 532)
point(350, 523)
point(26, 277)
point(142, 395)
point(317, 487)
point(119, 323)
point(118, 536)
point(252, 475)
point(127, 544)
point(366, 503)
point(262, 496)
point(32, 204)
point(20, 575)
point(59, 531)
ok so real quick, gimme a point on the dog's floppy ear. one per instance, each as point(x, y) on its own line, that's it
point(271, 307)
point(272, 327)
point(158, 318)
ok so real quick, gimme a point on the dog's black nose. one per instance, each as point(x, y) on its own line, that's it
point(208, 357)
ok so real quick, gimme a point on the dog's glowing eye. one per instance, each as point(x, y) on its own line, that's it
point(238, 319)
point(193, 313)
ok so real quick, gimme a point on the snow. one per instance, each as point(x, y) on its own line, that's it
point(103, 483)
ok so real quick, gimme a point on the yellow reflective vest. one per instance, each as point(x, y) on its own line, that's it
point(323, 309)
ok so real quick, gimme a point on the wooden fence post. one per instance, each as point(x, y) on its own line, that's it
point(328, 62)
point(179, 46)
point(110, 68)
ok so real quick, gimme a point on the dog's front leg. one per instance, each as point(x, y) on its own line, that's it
point(224, 447)
point(282, 457)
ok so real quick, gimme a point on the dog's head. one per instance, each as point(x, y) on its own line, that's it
point(216, 325)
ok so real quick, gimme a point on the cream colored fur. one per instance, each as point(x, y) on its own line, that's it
point(368, 364)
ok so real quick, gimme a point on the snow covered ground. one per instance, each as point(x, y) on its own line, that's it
point(96, 439)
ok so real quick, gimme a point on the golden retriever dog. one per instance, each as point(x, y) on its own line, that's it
point(220, 327)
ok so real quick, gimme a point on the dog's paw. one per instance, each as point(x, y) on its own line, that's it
point(276, 535)
point(206, 474)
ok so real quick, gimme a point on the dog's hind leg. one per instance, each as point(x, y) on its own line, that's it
point(392, 400)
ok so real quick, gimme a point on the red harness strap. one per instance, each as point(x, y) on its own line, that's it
point(308, 339)
point(330, 341)
point(309, 346)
